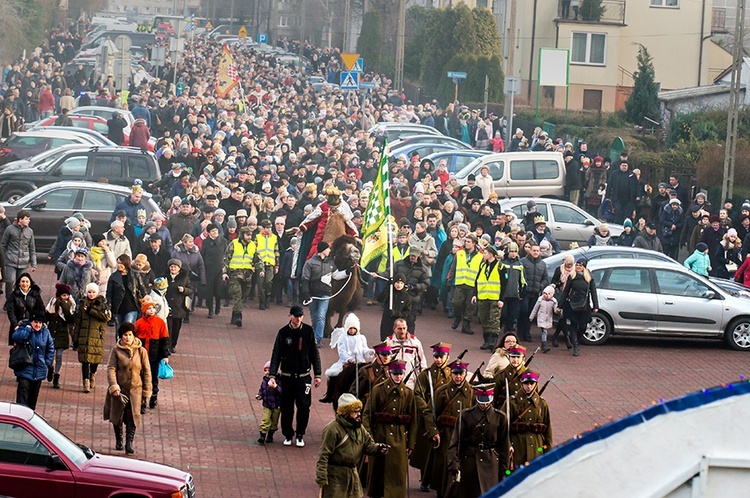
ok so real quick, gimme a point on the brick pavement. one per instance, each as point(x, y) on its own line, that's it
point(207, 416)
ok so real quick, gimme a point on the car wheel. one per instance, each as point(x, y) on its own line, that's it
point(598, 330)
point(738, 334)
point(13, 194)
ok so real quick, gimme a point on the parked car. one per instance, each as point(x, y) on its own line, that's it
point(95, 123)
point(396, 131)
point(25, 144)
point(655, 298)
point(566, 222)
point(102, 112)
point(605, 252)
point(116, 165)
point(38, 460)
point(51, 204)
point(455, 159)
point(429, 138)
point(79, 131)
point(421, 149)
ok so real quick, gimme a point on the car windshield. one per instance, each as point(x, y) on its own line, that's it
point(469, 168)
point(49, 160)
point(71, 450)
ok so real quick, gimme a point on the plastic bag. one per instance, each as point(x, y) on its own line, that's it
point(165, 370)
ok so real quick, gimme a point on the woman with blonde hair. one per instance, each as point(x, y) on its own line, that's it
point(580, 299)
point(728, 254)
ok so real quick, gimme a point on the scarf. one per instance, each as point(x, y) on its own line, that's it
point(97, 254)
point(354, 432)
point(564, 273)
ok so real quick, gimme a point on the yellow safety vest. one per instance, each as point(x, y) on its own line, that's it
point(466, 274)
point(397, 256)
point(242, 256)
point(488, 288)
point(266, 248)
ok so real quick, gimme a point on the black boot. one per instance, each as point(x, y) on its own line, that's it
point(50, 373)
point(262, 438)
point(456, 322)
point(269, 437)
point(238, 322)
point(153, 401)
point(143, 409)
point(574, 338)
point(486, 345)
point(56, 381)
point(466, 329)
point(129, 436)
point(118, 437)
point(233, 321)
point(328, 398)
point(217, 311)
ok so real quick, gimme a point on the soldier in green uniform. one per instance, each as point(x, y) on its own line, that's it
point(344, 444)
point(374, 373)
point(530, 427)
point(239, 263)
point(479, 451)
point(428, 382)
point(449, 400)
point(512, 373)
point(391, 417)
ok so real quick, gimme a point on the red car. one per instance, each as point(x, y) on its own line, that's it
point(95, 123)
point(36, 460)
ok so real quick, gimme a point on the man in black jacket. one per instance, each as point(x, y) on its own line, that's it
point(294, 353)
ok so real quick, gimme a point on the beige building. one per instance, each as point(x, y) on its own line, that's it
point(603, 51)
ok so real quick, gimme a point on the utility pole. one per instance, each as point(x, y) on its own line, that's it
point(398, 80)
point(510, 51)
point(347, 18)
point(727, 184)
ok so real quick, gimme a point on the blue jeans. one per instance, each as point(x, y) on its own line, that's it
point(318, 310)
point(130, 316)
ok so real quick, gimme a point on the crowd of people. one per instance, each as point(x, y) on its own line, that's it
point(244, 178)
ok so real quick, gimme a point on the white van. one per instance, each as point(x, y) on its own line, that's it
point(521, 174)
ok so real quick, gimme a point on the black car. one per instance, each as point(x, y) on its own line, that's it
point(107, 164)
point(51, 204)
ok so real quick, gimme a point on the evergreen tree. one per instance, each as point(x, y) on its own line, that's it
point(368, 44)
point(643, 102)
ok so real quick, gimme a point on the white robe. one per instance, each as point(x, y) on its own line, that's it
point(351, 347)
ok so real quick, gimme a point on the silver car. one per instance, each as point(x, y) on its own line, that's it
point(655, 298)
point(566, 222)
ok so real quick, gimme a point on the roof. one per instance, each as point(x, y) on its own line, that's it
point(692, 92)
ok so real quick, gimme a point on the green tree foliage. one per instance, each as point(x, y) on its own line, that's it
point(643, 102)
point(368, 44)
point(592, 10)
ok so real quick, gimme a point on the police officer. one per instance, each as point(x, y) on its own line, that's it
point(391, 417)
point(466, 265)
point(267, 244)
point(479, 451)
point(488, 296)
point(240, 261)
point(530, 427)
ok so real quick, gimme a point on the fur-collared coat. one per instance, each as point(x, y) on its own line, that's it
point(129, 371)
point(90, 329)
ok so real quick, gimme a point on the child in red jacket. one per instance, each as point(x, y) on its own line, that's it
point(153, 333)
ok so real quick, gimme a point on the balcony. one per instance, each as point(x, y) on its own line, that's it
point(611, 12)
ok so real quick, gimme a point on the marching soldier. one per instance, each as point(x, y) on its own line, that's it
point(466, 263)
point(374, 373)
point(530, 428)
point(239, 263)
point(512, 373)
point(428, 382)
point(479, 451)
point(453, 396)
point(267, 244)
point(488, 296)
point(391, 417)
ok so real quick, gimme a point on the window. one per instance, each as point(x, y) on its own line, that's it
point(94, 200)
point(592, 100)
point(138, 166)
point(283, 21)
point(109, 167)
point(522, 170)
point(534, 170)
point(680, 284)
point(588, 48)
point(566, 214)
point(18, 446)
point(101, 128)
point(546, 170)
point(462, 161)
point(496, 170)
point(666, 3)
point(63, 199)
point(520, 210)
point(59, 142)
point(628, 280)
point(74, 166)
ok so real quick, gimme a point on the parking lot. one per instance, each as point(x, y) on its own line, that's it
point(207, 416)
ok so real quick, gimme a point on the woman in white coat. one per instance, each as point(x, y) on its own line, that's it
point(353, 349)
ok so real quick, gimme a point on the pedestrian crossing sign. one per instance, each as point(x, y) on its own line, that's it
point(349, 81)
point(357, 67)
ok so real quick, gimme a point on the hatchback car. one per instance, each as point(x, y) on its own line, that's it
point(37, 460)
point(24, 144)
point(567, 222)
point(116, 165)
point(51, 204)
point(654, 298)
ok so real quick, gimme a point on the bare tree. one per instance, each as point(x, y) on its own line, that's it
point(13, 37)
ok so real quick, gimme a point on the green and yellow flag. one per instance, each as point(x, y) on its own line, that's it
point(375, 226)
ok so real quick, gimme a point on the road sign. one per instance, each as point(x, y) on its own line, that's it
point(349, 81)
point(367, 85)
point(242, 33)
point(262, 37)
point(349, 60)
point(456, 75)
point(209, 26)
point(512, 85)
point(357, 67)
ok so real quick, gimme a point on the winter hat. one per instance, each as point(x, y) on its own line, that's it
point(293, 241)
point(701, 247)
point(161, 283)
point(231, 222)
point(96, 238)
point(77, 236)
point(550, 289)
point(627, 223)
point(174, 261)
point(322, 246)
point(348, 404)
point(352, 321)
point(267, 366)
point(92, 286)
point(61, 289)
point(146, 305)
point(731, 232)
point(72, 223)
